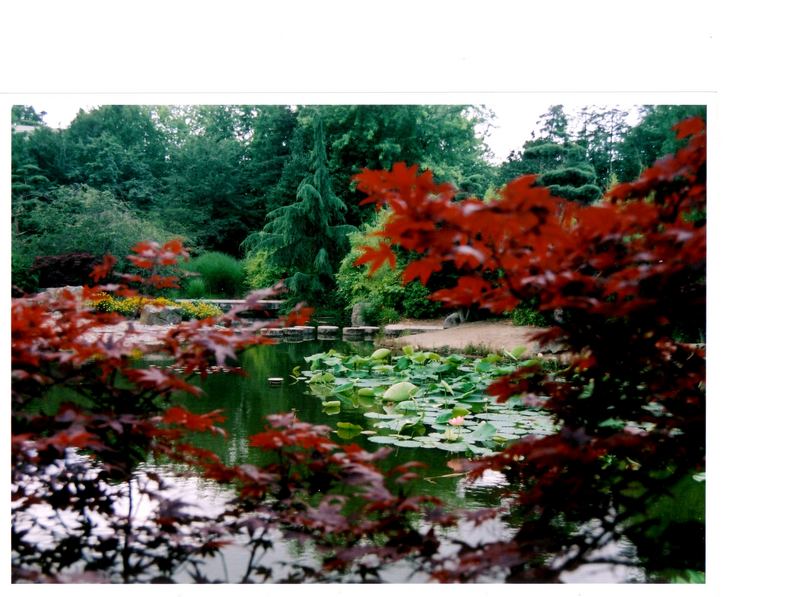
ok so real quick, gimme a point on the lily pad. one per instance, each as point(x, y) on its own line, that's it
point(407, 406)
point(332, 407)
point(480, 451)
point(483, 432)
point(381, 354)
point(408, 443)
point(400, 391)
point(345, 387)
point(348, 430)
point(420, 393)
point(322, 377)
point(382, 439)
point(453, 447)
point(376, 415)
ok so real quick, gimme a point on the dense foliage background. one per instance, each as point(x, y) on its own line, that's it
point(273, 186)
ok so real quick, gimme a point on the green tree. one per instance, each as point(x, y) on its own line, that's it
point(210, 173)
point(307, 238)
point(653, 137)
point(564, 169)
point(294, 147)
point(554, 125)
point(26, 115)
point(269, 150)
point(225, 164)
point(118, 149)
point(204, 194)
point(600, 131)
point(40, 152)
point(444, 139)
point(561, 164)
point(81, 219)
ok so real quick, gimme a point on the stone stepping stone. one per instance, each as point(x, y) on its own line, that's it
point(272, 332)
point(327, 331)
point(353, 333)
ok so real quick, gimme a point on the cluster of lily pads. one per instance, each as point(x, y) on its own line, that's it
point(418, 399)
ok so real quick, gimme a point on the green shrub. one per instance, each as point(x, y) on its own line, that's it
point(529, 315)
point(416, 303)
point(81, 219)
point(222, 274)
point(195, 288)
point(259, 272)
point(384, 291)
point(387, 315)
point(22, 275)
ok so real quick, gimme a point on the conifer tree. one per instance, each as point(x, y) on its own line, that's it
point(562, 165)
point(308, 238)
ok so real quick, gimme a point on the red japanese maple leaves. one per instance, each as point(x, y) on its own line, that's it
point(621, 277)
point(529, 243)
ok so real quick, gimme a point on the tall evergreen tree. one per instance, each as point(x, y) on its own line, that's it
point(561, 165)
point(553, 125)
point(653, 137)
point(269, 150)
point(308, 238)
point(600, 131)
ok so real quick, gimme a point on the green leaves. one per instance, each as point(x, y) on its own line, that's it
point(423, 399)
point(348, 430)
point(381, 354)
point(331, 407)
point(400, 391)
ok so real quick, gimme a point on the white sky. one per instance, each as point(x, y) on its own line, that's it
point(514, 121)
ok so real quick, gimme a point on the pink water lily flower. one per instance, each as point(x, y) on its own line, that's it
point(456, 421)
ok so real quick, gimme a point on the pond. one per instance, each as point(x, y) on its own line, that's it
point(246, 400)
point(401, 416)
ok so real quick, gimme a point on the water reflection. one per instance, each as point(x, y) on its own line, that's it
point(247, 400)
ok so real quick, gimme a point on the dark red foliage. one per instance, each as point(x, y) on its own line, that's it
point(83, 462)
point(625, 280)
point(68, 269)
point(104, 269)
point(176, 415)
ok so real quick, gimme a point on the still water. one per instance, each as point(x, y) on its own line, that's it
point(247, 400)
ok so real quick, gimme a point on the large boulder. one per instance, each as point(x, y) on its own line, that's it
point(57, 293)
point(155, 315)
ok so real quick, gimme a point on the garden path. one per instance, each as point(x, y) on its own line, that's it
point(483, 336)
